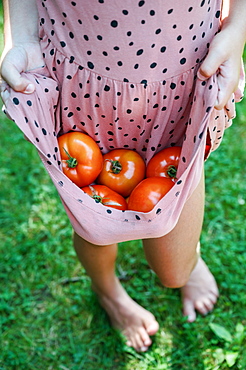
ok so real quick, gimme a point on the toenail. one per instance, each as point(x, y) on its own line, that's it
point(143, 349)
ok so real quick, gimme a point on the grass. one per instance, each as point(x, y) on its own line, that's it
point(49, 317)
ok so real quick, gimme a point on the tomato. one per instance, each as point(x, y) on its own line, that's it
point(207, 150)
point(208, 146)
point(148, 193)
point(122, 170)
point(102, 194)
point(165, 163)
point(81, 157)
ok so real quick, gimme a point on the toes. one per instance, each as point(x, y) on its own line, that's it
point(206, 305)
point(140, 341)
point(152, 328)
point(139, 344)
point(189, 310)
point(143, 349)
point(129, 343)
point(201, 307)
point(145, 337)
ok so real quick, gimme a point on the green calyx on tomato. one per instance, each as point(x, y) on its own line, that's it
point(102, 199)
point(172, 171)
point(71, 162)
point(116, 166)
point(107, 197)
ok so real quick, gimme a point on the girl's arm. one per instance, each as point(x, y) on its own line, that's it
point(22, 51)
point(225, 53)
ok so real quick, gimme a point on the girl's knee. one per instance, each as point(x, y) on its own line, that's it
point(174, 279)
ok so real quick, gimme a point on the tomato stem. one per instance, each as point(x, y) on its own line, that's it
point(97, 198)
point(172, 171)
point(72, 162)
point(116, 166)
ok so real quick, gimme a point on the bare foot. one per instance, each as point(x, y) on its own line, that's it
point(200, 293)
point(134, 322)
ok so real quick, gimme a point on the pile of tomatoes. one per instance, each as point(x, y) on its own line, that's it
point(120, 178)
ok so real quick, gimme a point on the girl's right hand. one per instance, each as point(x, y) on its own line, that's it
point(20, 58)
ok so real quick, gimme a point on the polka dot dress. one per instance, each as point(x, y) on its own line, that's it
point(125, 73)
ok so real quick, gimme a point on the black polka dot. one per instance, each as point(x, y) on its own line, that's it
point(141, 3)
point(153, 65)
point(16, 101)
point(90, 65)
point(139, 52)
point(114, 24)
point(217, 15)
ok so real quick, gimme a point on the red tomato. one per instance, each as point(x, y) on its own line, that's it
point(102, 194)
point(165, 163)
point(207, 150)
point(122, 170)
point(208, 146)
point(81, 157)
point(148, 193)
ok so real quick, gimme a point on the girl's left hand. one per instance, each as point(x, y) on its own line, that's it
point(224, 58)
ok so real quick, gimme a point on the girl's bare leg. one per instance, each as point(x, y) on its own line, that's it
point(136, 323)
point(175, 258)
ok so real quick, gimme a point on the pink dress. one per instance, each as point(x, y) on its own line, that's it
point(125, 73)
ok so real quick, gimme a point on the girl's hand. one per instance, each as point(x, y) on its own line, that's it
point(223, 58)
point(21, 58)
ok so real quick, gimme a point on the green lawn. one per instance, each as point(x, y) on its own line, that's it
point(49, 317)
